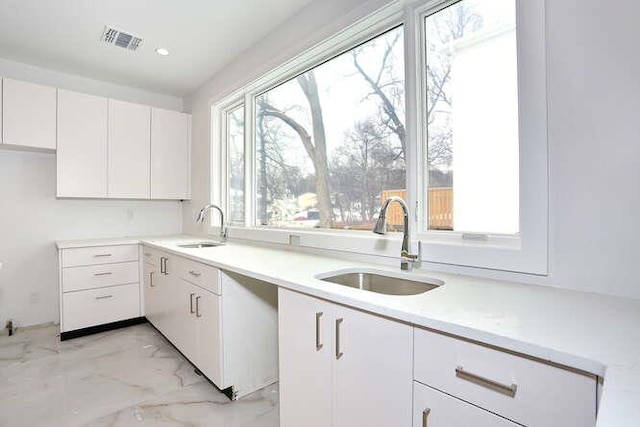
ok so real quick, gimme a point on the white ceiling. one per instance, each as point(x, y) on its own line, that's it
point(202, 36)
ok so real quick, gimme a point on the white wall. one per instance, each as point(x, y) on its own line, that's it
point(594, 145)
point(594, 134)
point(31, 218)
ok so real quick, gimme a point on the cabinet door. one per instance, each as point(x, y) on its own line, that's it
point(29, 114)
point(129, 150)
point(152, 293)
point(169, 154)
point(373, 370)
point(180, 297)
point(209, 335)
point(306, 346)
point(82, 145)
point(432, 408)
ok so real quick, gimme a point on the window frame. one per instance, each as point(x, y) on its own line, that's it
point(526, 253)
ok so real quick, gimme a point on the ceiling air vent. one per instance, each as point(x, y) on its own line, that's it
point(121, 39)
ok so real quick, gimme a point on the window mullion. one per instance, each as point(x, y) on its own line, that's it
point(249, 161)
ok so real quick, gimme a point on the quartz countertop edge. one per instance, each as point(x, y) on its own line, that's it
point(595, 333)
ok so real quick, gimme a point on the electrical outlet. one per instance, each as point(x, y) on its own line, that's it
point(34, 297)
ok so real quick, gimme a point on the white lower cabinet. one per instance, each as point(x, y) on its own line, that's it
point(432, 408)
point(152, 295)
point(93, 307)
point(208, 334)
point(231, 339)
point(98, 285)
point(523, 390)
point(342, 367)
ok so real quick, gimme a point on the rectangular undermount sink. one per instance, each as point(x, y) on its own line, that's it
point(382, 282)
point(199, 245)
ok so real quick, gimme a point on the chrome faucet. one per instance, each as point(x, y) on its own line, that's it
point(223, 228)
point(406, 259)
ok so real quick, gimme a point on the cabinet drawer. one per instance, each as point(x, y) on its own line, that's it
point(97, 276)
point(150, 256)
point(99, 306)
point(203, 275)
point(525, 391)
point(99, 255)
point(434, 409)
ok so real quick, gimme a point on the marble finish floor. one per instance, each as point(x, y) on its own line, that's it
point(126, 377)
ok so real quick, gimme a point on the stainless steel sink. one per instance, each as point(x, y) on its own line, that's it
point(382, 282)
point(200, 245)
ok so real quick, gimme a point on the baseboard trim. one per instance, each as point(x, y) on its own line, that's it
point(101, 328)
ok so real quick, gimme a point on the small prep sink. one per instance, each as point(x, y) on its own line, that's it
point(382, 282)
point(200, 245)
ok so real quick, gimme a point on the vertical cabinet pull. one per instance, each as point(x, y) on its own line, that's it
point(162, 265)
point(166, 263)
point(339, 353)
point(151, 285)
point(198, 306)
point(318, 343)
point(425, 417)
point(191, 295)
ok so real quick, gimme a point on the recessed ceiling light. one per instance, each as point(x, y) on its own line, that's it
point(162, 51)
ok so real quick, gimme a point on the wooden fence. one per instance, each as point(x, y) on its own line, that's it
point(440, 208)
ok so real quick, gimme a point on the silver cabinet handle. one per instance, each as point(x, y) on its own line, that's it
point(425, 417)
point(106, 273)
point(191, 295)
point(166, 265)
point(101, 255)
point(104, 297)
point(151, 285)
point(198, 306)
point(318, 343)
point(194, 274)
point(508, 390)
point(162, 259)
point(339, 354)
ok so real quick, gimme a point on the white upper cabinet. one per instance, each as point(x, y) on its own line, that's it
point(29, 114)
point(129, 150)
point(170, 145)
point(82, 145)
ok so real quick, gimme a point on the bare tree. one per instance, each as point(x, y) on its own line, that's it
point(364, 166)
point(314, 142)
point(386, 86)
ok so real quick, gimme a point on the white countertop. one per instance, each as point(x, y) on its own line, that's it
point(595, 333)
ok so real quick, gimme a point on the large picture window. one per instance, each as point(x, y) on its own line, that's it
point(441, 103)
point(331, 142)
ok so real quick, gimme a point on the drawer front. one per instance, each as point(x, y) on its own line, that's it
point(97, 276)
point(525, 391)
point(150, 256)
point(202, 275)
point(434, 409)
point(99, 306)
point(99, 255)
